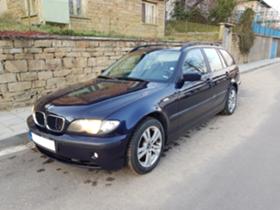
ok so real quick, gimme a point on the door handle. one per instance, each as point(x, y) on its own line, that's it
point(210, 81)
point(227, 75)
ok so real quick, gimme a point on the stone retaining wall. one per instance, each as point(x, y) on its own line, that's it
point(30, 68)
point(260, 50)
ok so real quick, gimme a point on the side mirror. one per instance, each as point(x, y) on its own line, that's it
point(192, 77)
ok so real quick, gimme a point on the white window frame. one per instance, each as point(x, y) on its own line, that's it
point(33, 7)
point(74, 8)
point(149, 12)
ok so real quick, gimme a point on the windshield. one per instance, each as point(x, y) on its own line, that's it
point(157, 65)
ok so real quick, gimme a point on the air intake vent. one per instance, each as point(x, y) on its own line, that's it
point(55, 123)
point(39, 118)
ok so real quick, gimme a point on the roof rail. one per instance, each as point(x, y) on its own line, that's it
point(146, 46)
point(183, 46)
point(190, 44)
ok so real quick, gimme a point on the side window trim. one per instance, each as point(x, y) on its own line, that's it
point(209, 70)
point(233, 60)
point(224, 64)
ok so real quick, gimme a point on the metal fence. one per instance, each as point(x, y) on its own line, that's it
point(266, 23)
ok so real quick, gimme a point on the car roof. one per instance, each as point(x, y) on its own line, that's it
point(180, 47)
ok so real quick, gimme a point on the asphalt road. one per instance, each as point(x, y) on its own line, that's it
point(226, 163)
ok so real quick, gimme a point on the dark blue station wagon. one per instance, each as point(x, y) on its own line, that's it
point(135, 107)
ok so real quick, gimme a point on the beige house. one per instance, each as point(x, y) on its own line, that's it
point(259, 6)
point(264, 13)
point(127, 17)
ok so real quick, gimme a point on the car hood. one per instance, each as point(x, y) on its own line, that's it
point(97, 98)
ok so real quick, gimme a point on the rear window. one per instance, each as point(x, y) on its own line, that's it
point(213, 59)
point(228, 58)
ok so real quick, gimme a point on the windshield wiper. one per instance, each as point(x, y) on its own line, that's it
point(195, 67)
point(121, 78)
point(131, 79)
point(104, 77)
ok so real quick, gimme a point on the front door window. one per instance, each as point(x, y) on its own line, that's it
point(194, 62)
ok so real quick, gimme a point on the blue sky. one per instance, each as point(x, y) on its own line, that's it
point(274, 3)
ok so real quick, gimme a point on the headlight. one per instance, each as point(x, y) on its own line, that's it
point(93, 126)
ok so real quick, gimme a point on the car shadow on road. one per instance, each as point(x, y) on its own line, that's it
point(34, 163)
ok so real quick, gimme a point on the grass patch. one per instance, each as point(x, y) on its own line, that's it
point(184, 37)
point(176, 30)
point(9, 23)
point(185, 27)
point(189, 31)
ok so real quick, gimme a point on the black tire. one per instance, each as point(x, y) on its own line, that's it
point(132, 154)
point(229, 110)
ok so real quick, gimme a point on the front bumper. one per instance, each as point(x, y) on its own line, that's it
point(79, 150)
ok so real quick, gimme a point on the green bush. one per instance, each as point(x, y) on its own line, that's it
point(196, 16)
point(193, 15)
point(222, 11)
point(245, 32)
point(179, 11)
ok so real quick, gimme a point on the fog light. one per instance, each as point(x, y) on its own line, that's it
point(95, 156)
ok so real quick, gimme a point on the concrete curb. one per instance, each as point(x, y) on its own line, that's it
point(22, 139)
point(12, 141)
point(258, 65)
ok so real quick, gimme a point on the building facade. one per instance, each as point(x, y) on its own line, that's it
point(125, 17)
point(258, 6)
point(264, 13)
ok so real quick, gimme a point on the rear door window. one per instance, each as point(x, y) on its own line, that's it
point(228, 58)
point(213, 59)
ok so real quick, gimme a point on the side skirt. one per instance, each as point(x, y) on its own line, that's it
point(176, 135)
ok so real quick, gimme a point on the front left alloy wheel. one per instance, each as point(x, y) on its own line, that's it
point(145, 147)
point(231, 102)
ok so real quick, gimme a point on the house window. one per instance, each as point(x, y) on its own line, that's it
point(75, 7)
point(149, 12)
point(30, 7)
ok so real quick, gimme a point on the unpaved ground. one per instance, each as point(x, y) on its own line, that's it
point(226, 163)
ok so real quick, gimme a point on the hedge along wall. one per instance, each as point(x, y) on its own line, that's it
point(31, 67)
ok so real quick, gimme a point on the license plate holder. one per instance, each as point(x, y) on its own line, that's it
point(43, 142)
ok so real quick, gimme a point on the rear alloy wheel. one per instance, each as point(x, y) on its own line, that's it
point(231, 103)
point(146, 146)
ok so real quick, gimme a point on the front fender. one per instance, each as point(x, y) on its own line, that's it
point(131, 116)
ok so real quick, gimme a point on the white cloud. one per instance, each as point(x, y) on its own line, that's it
point(275, 4)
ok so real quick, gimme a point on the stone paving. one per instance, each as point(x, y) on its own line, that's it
point(257, 65)
point(13, 122)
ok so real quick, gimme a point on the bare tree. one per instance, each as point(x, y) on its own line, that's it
point(188, 6)
point(196, 4)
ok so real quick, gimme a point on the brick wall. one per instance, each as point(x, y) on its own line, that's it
point(30, 68)
point(259, 51)
point(16, 7)
point(123, 17)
